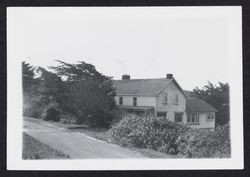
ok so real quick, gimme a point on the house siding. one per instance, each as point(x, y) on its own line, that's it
point(141, 100)
point(204, 122)
point(171, 107)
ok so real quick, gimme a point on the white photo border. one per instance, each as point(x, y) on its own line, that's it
point(14, 110)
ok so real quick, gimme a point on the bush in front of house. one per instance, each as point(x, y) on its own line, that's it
point(171, 138)
point(205, 143)
point(52, 114)
point(147, 132)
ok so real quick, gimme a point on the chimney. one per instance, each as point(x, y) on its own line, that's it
point(169, 76)
point(126, 77)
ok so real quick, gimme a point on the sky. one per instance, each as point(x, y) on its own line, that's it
point(191, 43)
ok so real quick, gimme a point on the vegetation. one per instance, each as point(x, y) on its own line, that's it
point(89, 94)
point(171, 138)
point(218, 97)
point(52, 114)
point(204, 143)
point(76, 89)
point(27, 76)
point(147, 132)
point(34, 149)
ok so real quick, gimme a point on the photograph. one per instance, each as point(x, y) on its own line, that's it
point(155, 85)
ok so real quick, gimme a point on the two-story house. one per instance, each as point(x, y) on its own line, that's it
point(163, 98)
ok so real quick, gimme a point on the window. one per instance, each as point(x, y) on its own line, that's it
point(211, 116)
point(134, 101)
point(162, 114)
point(178, 117)
point(193, 117)
point(176, 99)
point(165, 98)
point(120, 100)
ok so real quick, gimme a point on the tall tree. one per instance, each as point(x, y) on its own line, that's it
point(29, 83)
point(50, 85)
point(89, 94)
point(27, 76)
point(218, 97)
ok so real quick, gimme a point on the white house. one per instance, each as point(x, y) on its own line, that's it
point(163, 98)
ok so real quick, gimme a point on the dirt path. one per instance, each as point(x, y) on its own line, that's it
point(76, 145)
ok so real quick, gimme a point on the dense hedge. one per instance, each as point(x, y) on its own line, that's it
point(204, 143)
point(168, 137)
point(147, 132)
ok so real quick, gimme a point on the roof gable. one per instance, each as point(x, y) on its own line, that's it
point(177, 85)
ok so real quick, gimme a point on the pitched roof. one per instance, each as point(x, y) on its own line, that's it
point(198, 105)
point(140, 86)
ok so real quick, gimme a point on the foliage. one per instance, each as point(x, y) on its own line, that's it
point(52, 114)
point(171, 138)
point(117, 115)
point(40, 92)
point(87, 94)
point(27, 76)
point(77, 89)
point(147, 132)
point(31, 107)
point(205, 143)
point(218, 97)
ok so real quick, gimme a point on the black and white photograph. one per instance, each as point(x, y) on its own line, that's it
point(110, 88)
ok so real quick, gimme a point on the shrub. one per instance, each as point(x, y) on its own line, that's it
point(32, 108)
point(67, 118)
point(168, 137)
point(147, 132)
point(117, 115)
point(52, 114)
point(205, 143)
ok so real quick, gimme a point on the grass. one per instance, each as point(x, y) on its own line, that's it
point(34, 149)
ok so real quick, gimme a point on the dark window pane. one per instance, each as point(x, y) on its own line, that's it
point(188, 117)
point(134, 101)
point(120, 100)
point(178, 117)
point(161, 114)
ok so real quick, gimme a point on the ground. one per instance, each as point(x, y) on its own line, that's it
point(82, 142)
point(34, 149)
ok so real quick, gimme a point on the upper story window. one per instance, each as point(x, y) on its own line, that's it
point(134, 101)
point(120, 100)
point(165, 98)
point(176, 99)
point(211, 116)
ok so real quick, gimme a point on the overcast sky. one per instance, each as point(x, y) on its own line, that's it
point(190, 43)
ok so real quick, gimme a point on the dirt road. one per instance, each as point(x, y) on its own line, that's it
point(76, 145)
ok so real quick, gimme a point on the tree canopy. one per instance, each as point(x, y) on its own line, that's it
point(218, 97)
point(88, 94)
point(78, 89)
point(27, 76)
